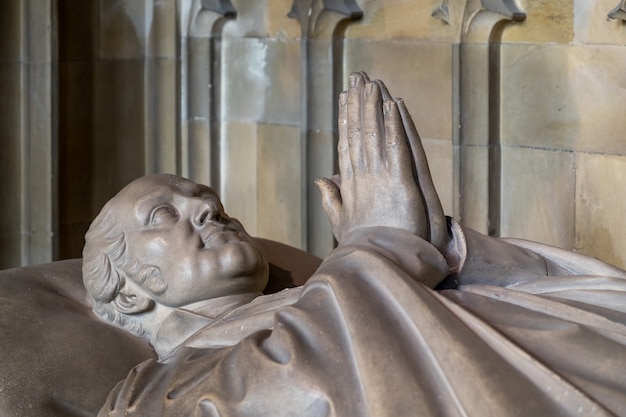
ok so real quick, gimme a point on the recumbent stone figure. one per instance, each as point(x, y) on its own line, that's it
point(411, 314)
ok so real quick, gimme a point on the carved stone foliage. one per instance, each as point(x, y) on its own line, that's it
point(619, 11)
point(442, 12)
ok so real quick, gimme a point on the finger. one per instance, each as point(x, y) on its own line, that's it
point(331, 202)
point(373, 127)
point(384, 92)
point(343, 152)
point(437, 220)
point(397, 149)
point(366, 77)
point(354, 119)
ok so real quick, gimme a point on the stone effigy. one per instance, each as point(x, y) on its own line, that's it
point(411, 314)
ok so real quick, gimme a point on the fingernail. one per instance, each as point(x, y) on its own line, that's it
point(352, 80)
point(387, 106)
point(342, 98)
point(369, 87)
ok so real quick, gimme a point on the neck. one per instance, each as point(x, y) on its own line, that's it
point(151, 320)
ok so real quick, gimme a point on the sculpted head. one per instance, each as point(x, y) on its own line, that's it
point(164, 241)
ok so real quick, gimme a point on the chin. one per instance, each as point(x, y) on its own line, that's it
point(248, 262)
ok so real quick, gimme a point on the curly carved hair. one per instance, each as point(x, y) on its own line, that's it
point(106, 266)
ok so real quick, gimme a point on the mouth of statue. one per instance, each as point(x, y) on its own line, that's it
point(220, 237)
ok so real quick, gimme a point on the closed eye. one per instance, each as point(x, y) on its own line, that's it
point(162, 214)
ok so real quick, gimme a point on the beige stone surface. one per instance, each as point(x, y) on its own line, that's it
point(162, 30)
point(550, 21)
point(40, 186)
point(564, 97)
point(160, 122)
point(591, 25)
point(600, 220)
point(439, 153)
point(474, 174)
point(251, 20)
point(321, 161)
point(537, 196)
point(280, 26)
point(123, 28)
point(40, 41)
point(393, 19)
point(261, 80)
point(280, 184)
point(238, 186)
point(420, 72)
point(474, 93)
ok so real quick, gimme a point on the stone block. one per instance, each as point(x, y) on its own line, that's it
point(238, 187)
point(419, 72)
point(251, 19)
point(279, 25)
point(564, 97)
point(401, 19)
point(162, 29)
point(547, 21)
point(280, 184)
point(537, 196)
point(474, 89)
point(161, 103)
point(123, 30)
point(474, 187)
point(600, 207)
point(40, 32)
point(263, 81)
point(439, 153)
point(321, 157)
point(591, 25)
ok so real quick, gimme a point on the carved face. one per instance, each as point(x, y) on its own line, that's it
point(181, 228)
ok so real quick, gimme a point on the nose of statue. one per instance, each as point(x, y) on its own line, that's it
point(205, 212)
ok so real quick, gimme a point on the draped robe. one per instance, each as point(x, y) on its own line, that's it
point(383, 329)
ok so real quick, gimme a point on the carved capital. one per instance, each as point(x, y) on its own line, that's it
point(442, 12)
point(482, 16)
point(619, 11)
point(204, 16)
point(308, 12)
point(507, 8)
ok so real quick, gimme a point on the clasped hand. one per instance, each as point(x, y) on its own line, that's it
point(383, 175)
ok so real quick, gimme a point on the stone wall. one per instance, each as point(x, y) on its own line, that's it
point(518, 104)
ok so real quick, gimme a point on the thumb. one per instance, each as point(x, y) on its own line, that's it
point(331, 201)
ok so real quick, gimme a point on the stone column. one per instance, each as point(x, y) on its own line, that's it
point(200, 64)
point(28, 158)
point(322, 26)
point(478, 164)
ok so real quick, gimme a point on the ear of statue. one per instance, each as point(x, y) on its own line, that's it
point(132, 302)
